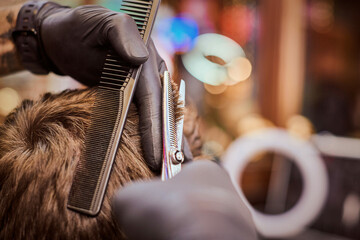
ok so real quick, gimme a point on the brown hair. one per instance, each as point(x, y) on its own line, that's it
point(40, 145)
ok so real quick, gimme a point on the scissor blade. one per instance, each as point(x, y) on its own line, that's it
point(180, 123)
point(171, 131)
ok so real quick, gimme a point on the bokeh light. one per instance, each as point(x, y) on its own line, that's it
point(321, 15)
point(237, 22)
point(251, 123)
point(239, 70)
point(113, 5)
point(9, 99)
point(179, 32)
point(215, 89)
point(216, 45)
point(299, 126)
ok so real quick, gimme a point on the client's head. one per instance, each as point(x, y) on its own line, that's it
point(40, 145)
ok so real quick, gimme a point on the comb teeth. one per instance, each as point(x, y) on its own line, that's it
point(116, 88)
point(172, 123)
point(136, 4)
point(89, 178)
point(140, 11)
point(115, 74)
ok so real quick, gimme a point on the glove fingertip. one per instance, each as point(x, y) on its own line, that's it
point(162, 68)
point(130, 46)
point(136, 53)
point(155, 166)
point(153, 159)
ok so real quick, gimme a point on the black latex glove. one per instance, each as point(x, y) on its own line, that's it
point(148, 100)
point(76, 42)
point(198, 203)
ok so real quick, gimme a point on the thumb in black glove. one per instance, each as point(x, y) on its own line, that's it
point(77, 40)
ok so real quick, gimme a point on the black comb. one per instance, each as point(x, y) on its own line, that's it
point(113, 97)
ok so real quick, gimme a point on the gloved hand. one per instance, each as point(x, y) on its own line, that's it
point(198, 203)
point(148, 101)
point(76, 42)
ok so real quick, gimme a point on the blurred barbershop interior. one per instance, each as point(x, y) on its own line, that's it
point(276, 85)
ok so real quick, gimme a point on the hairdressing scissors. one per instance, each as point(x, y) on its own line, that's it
point(172, 129)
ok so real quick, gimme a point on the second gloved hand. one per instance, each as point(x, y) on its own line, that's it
point(198, 203)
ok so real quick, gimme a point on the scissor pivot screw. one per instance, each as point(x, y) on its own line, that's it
point(178, 157)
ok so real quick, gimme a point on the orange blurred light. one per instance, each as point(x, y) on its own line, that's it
point(215, 89)
point(239, 70)
point(9, 99)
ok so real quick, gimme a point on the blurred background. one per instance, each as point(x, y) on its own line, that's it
point(257, 64)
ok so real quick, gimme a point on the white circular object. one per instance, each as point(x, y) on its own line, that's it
point(311, 168)
point(211, 44)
